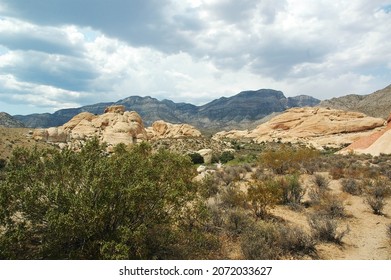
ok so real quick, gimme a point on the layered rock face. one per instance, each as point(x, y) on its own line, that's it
point(311, 125)
point(374, 144)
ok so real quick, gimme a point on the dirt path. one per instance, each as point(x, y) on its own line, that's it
point(367, 238)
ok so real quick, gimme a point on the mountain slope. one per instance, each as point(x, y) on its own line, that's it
point(377, 104)
point(7, 120)
point(238, 111)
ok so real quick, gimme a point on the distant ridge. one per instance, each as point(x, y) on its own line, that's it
point(7, 120)
point(238, 111)
point(377, 104)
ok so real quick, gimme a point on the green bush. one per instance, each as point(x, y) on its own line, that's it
point(263, 196)
point(3, 163)
point(196, 158)
point(226, 156)
point(285, 158)
point(292, 190)
point(134, 204)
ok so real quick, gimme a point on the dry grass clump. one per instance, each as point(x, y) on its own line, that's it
point(326, 229)
point(272, 241)
point(352, 186)
point(376, 193)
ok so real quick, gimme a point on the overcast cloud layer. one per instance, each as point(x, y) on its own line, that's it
point(56, 54)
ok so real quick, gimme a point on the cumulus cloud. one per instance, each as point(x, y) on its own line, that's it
point(56, 54)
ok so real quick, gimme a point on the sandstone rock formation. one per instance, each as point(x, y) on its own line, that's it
point(374, 144)
point(161, 129)
point(113, 127)
point(311, 125)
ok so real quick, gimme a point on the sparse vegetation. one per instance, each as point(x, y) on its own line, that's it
point(326, 229)
point(377, 191)
point(143, 202)
point(352, 186)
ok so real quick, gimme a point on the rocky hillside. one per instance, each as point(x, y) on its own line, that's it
point(316, 126)
point(7, 120)
point(239, 111)
point(377, 104)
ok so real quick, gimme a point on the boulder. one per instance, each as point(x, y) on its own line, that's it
point(117, 109)
point(161, 129)
point(207, 154)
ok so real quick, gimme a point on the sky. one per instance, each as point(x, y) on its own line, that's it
point(57, 54)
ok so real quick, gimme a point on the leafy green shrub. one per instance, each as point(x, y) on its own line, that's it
point(134, 204)
point(226, 156)
point(196, 158)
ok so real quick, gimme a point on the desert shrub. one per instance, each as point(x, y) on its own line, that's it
point(326, 229)
point(332, 206)
point(263, 196)
point(351, 186)
point(294, 240)
point(209, 186)
point(229, 175)
point(321, 181)
point(3, 163)
point(134, 204)
point(226, 156)
point(271, 241)
point(377, 191)
point(261, 242)
point(292, 190)
point(237, 222)
point(376, 203)
point(233, 197)
point(196, 158)
point(286, 158)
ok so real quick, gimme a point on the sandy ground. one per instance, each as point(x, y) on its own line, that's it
point(367, 238)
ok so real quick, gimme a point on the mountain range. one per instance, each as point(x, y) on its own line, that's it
point(244, 110)
point(238, 111)
point(377, 104)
